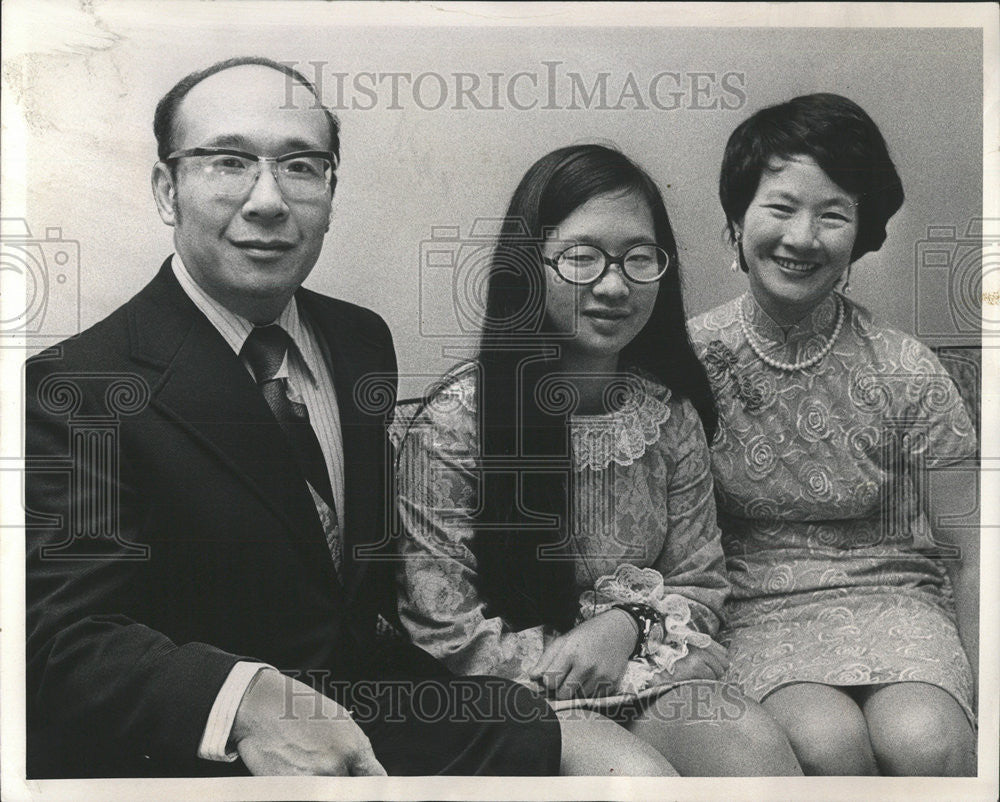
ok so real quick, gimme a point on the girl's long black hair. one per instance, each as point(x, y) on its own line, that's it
point(523, 521)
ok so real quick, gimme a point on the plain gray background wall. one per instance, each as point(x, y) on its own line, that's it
point(408, 167)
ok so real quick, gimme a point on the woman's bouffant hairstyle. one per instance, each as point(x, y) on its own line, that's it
point(842, 139)
point(525, 567)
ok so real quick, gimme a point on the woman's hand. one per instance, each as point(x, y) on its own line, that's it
point(709, 662)
point(590, 659)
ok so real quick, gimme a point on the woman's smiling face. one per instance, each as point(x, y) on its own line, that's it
point(798, 234)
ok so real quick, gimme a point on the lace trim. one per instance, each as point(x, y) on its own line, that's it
point(621, 436)
point(624, 435)
point(667, 643)
point(460, 392)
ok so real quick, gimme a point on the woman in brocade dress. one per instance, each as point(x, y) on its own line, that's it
point(853, 615)
point(556, 492)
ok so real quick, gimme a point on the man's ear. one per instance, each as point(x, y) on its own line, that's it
point(165, 193)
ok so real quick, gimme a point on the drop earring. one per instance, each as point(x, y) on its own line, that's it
point(846, 288)
point(735, 266)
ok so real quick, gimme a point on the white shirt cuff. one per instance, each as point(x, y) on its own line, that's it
point(220, 719)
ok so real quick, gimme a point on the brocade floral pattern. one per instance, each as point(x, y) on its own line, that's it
point(836, 575)
point(642, 495)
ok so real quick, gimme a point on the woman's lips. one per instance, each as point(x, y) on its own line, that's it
point(606, 321)
point(606, 314)
point(797, 266)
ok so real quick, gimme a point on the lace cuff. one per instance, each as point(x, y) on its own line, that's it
point(667, 643)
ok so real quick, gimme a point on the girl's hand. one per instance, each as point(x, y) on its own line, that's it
point(710, 662)
point(590, 659)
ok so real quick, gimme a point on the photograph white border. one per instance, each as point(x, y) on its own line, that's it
point(29, 25)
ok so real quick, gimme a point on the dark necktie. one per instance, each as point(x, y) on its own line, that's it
point(265, 350)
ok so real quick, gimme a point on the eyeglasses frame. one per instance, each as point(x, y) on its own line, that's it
point(609, 261)
point(329, 155)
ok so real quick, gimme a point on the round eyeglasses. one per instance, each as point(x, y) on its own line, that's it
point(587, 264)
point(302, 175)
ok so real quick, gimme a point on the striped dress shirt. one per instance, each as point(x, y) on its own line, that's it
point(310, 382)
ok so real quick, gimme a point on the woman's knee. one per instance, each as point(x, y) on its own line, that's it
point(708, 728)
point(595, 745)
point(767, 744)
point(920, 731)
point(826, 729)
point(833, 747)
point(920, 751)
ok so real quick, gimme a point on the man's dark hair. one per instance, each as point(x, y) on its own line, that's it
point(166, 110)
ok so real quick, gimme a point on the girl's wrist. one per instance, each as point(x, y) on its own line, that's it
point(645, 618)
point(625, 615)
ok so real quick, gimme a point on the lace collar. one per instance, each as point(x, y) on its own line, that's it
point(621, 436)
point(624, 435)
point(790, 343)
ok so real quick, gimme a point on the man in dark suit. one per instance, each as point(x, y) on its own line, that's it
point(203, 590)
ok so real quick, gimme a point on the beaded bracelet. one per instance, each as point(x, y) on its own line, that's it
point(645, 618)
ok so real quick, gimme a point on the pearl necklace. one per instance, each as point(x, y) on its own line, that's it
point(791, 366)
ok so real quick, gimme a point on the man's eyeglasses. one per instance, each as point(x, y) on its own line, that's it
point(587, 264)
point(302, 175)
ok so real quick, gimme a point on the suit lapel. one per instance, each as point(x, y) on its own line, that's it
point(350, 358)
point(206, 390)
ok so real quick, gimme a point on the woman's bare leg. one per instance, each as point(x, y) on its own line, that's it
point(596, 746)
point(826, 728)
point(919, 730)
point(708, 729)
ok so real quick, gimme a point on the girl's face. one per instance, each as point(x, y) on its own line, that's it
point(596, 321)
point(798, 235)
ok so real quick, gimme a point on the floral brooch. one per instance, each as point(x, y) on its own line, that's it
point(720, 363)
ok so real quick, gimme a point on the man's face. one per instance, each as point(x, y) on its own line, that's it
point(249, 253)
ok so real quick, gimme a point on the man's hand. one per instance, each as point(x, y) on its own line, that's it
point(590, 659)
point(283, 726)
point(710, 662)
